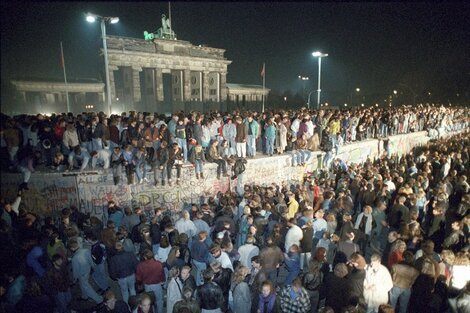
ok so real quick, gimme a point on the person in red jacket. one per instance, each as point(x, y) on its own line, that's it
point(150, 273)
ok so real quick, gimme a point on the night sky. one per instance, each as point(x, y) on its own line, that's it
point(375, 47)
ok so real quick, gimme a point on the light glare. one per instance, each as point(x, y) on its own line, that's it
point(90, 18)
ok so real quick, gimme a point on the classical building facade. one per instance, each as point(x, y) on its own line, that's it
point(246, 96)
point(164, 74)
point(168, 75)
point(157, 75)
point(46, 96)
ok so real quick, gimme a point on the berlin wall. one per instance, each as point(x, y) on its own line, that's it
point(50, 192)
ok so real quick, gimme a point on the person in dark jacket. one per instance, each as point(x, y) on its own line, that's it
point(132, 132)
point(197, 129)
point(356, 277)
point(222, 278)
point(97, 133)
point(58, 283)
point(214, 156)
point(117, 161)
point(423, 297)
point(164, 133)
point(399, 213)
point(306, 244)
point(84, 134)
point(112, 305)
point(210, 295)
point(34, 300)
point(160, 161)
point(240, 137)
point(312, 281)
point(122, 267)
point(336, 284)
point(175, 158)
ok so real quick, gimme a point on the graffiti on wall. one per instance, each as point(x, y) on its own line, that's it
point(96, 190)
point(47, 194)
point(50, 192)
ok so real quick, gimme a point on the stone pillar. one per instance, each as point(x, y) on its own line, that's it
point(223, 87)
point(186, 85)
point(136, 83)
point(205, 86)
point(22, 96)
point(159, 84)
point(112, 84)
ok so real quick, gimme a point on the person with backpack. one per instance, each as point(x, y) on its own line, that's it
point(188, 302)
point(98, 255)
point(137, 231)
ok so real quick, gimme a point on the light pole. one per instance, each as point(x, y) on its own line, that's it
point(304, 79)
point(308, 101)
point(91, 18)
point(319, 55)
point(358, 90)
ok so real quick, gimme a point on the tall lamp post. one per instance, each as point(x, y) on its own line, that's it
point(308, 99)
point(91, 18)
point(319, 55)
point(304, 79)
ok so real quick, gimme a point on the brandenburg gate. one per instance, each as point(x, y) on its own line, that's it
point(164, 74)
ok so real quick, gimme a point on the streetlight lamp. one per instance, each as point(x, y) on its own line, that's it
point(91, 18)
point(319, 55)
point(304, 79)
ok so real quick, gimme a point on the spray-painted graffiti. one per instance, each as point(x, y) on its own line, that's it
point(94, 198)
point(47, 194)
point(50, 192)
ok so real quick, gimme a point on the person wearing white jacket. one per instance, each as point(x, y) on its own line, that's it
point(70, 138)
point(294, 234)
point(101, 157)
point(377, 284)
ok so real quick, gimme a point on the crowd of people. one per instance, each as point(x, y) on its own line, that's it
point(140, 144)
point(387, 235)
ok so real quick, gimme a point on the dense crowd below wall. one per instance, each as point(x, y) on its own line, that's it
point(140, 143)
point(387, 235)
